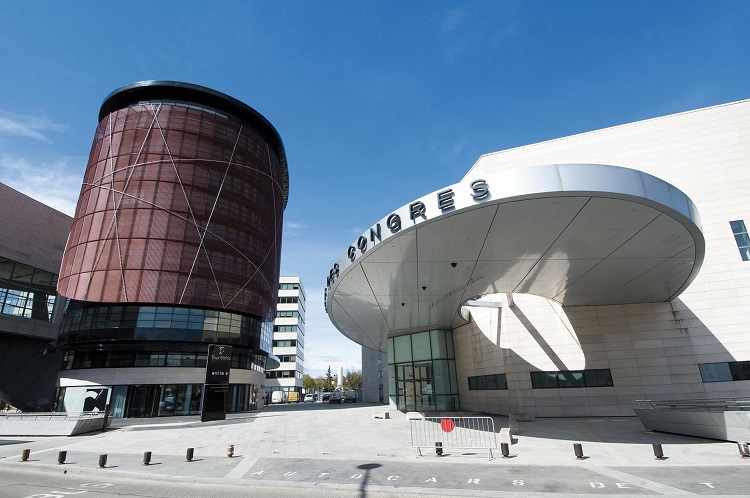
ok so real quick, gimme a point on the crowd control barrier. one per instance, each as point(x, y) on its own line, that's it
point(473, 433)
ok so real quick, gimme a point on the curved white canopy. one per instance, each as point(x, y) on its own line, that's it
point(579, 234)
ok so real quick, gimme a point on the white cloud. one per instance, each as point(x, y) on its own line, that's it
point(293, 225)
point(55, 184)
point(28, 127)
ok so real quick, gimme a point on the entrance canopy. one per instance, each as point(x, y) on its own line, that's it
point(578, 234)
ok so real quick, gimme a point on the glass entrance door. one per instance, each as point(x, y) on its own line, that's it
point(414, 385)
point(142, 401)
point(423, 385)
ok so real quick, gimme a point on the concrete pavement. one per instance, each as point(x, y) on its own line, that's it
point(310, 444)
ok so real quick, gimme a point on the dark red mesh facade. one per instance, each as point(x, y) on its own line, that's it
point(181, 204)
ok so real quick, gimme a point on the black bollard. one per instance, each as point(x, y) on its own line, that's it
point(61, 456)
point(578, 449)
point(25, 455)
point(504, 449)
point(146, 457)
point(102, 461)
point(189, 454)
point(658, 453)
point(438, 448)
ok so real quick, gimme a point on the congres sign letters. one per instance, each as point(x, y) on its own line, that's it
point(430, 206)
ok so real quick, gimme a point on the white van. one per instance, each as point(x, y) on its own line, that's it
point(278, 397)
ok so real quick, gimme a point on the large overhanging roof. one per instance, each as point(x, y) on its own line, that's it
point(579, 234)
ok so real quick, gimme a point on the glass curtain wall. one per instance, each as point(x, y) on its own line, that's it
point(155, 400)
point(422, 372)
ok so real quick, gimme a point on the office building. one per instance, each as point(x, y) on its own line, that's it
point(288, 339)
point(33, 239)
point(571, 277)
point(175, 245)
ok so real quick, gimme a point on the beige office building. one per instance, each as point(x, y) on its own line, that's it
point(571, 277)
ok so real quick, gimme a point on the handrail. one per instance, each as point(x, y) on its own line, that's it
point(723, 403)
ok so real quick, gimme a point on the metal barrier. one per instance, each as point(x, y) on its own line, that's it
point(474, 433)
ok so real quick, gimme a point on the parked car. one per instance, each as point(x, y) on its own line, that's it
point(326, 396)
point(335, 397)
point(308, 398)
point(350, 397)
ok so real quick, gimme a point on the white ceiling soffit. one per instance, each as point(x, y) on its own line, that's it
point(579, 234)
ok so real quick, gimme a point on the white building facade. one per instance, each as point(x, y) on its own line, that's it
point(571, 277)
point(288, 338)
point(374, 376)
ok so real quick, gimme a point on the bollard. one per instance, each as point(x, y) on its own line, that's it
point(189, 454)
point(102, 461)
point(61, 456)
point(25, 455)
point(504, 449)
point(230, 450)
point(744, 450)
point(578, 449)
point(438, 448)
point(146, 457)
point(658, 453)
point(106, 418)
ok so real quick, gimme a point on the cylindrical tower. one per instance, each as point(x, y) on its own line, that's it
point(176, 239)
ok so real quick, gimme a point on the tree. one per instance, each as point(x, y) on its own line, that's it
point(328, 381)
point(308, 383)
point(353, 380)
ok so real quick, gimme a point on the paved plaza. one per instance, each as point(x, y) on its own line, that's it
point(324, 446)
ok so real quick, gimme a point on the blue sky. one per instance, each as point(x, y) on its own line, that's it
point(378, 103)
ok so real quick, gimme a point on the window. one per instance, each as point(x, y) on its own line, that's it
point(544, 380)
point(280, 374)
point(580, 378)
point(494, 382)
point(570, 379)
point(26, 291)
point(129, 359)
point(287, 314)
point(725, 371)
point(597, 378)
point(157, 359)
point(742, 238)
point(286, 328)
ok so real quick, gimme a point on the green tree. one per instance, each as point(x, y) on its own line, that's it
point(353, 380)
point(328, 381)
point(308, 383)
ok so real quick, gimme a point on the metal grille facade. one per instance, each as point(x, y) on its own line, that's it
point(182, 203)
